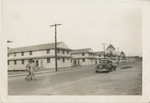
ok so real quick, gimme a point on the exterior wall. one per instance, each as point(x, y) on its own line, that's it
point(42, 62)
point(34, 54)
point(60, 63)
point(88, 62)
point(63, 54)
point(18, 66)
point(78, 59)
point(80, 55)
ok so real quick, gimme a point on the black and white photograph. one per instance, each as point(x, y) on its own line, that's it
point(76, 48)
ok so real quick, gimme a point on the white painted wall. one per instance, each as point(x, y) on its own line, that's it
point(80, 55)
point(18, 66)
point(34, 54)
point(86, 62)
point(42, 62)
point(60, 63)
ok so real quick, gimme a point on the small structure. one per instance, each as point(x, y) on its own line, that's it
point(132, 58)
point(43, 54)
point(110, 50)
point(122, 57)
point(84, 56)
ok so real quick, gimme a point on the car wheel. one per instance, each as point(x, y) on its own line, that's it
point(110, 70)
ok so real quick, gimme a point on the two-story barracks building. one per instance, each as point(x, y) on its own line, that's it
point(83, 57)
point(44, 56)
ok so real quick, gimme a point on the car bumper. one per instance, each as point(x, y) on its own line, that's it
point(101, 70)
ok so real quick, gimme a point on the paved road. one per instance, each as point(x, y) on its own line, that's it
point(18, 85)
point(80, 81)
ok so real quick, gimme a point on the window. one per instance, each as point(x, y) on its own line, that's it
point(99, 55)
point(22, 53)
point(63, 51)
point(58, 51)
point(7, 55)
point(48, 60)
point(82, 54)
point(22, 61)
point(15, 62)
point(8, 62)
point(58, 58)
point(83, 60)
point(48, 51)
point(67, 58)
point(30, 52)
point(63, 60)
point(14, 54)
point(89, 54)
point(67, 51)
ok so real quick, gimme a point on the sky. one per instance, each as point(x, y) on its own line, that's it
point(84, 24)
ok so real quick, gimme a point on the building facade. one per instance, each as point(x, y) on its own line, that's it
point(122, 57)
point(82, 57)
point(98, 56)
point(44, 56)
point(110, 50)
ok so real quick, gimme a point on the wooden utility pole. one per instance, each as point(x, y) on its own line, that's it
point(55, 25)
point(104, 48)
point(118, 53)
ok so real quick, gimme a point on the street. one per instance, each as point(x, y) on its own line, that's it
point(126, 80)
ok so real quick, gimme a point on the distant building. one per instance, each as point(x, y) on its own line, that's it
point(99, 55)
point(44, 56)
point(110, 50)
point(83, 57)
point(133, 58)
point(122, 57)
point(111, 53)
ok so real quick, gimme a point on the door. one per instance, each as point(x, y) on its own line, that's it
point(74, 62)
point(37, 63)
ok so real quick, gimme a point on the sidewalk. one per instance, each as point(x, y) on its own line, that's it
point(23, 73)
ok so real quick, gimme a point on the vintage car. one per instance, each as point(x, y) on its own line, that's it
point(105, 66)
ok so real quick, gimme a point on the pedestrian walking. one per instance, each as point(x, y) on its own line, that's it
point(33, 68)
point(28, 69)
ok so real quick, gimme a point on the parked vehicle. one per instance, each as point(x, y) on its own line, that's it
point(105, 66)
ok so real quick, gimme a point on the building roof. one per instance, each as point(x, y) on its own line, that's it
point(122, 52)
point(85, 50)
point(111, 46)
point(39, 47)
point(99, 53)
